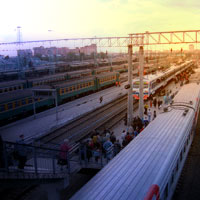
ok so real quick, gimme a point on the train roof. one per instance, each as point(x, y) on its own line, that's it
point(47, 77)
point(68, 83)
point(11, 83)
point(106, 74)
point(102, 68)
point(147, 159)
point(159, 74)
point(19, 94)
point(79, 71)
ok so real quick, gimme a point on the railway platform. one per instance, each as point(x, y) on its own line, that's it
point(46, 121)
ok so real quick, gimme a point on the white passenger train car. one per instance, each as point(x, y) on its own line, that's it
point(155, 157)
point(154, 82)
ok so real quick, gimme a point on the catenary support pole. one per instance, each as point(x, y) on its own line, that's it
point(141, 64)
point(130, 96)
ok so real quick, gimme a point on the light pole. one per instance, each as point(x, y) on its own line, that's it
point(130, 96)
point(141, 100)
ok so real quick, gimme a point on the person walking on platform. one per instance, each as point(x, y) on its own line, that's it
point(101, 99)
point(149, 115)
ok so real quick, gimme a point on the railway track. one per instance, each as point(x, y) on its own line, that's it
point(82, 126)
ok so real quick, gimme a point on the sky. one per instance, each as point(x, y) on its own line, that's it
point(89, 18)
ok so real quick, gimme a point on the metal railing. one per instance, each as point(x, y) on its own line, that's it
point(28, 161)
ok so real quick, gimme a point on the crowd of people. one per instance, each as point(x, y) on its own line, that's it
point(100, 144)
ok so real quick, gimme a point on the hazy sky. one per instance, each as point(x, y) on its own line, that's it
point(87, 18)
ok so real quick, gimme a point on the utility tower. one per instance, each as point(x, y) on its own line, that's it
point(19, 34)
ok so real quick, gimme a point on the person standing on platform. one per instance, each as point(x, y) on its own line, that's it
point(2, 159)
point(154, 114)
point(145, 108)
point(64, 149)
point(21, 151)
point(123, 135)
point(155, 102)
point(165, 99)
point(149, 115)
point(107, 145)
point(146, 122)
point(150, 103)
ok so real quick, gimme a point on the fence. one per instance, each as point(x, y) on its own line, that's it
point(42, 162)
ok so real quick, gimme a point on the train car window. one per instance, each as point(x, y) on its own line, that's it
point(166, 191)
point(2, 108)
point(19, 87)
point(172, 178)
point(62, 91)
point(17, 104)
point(14, 88)
point(70, 89)
point(86, 84)
point(10, 106)
point(67, 90)
point(10, 89)
point(177, 166)
point(6, 90)
point(1, 91)
point(23, 102)
point(191, 134)
point(184, 148)
point(30, 100)
point(181, 156)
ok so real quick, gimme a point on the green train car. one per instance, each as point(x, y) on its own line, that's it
point(75, 88)
point(17, 104)
point(10, 86)
point(107, 80)
point(120, 68)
